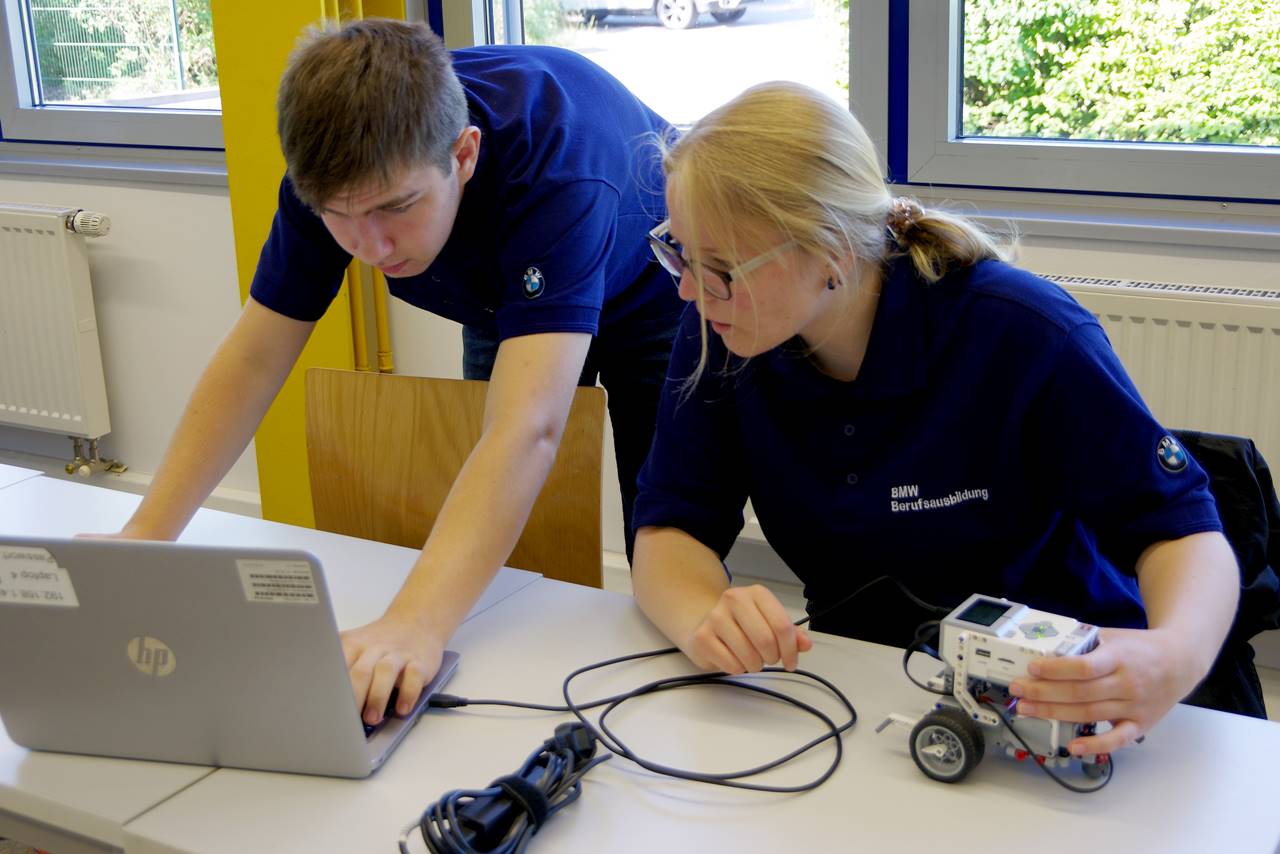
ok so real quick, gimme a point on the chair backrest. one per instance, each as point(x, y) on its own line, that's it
point(1241, 483)
point(383, 451)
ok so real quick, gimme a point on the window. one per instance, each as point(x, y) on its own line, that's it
point(686, 57)
point(123, 72)
point(1148, 97)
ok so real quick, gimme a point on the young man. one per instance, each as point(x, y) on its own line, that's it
point(507, 188)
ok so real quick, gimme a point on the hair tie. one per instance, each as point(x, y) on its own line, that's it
point(903, 216)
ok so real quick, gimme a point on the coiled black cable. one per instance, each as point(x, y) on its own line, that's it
point(504, 816)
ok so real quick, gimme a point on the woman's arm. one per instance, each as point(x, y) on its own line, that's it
point(683, 589)
point(1190, 587)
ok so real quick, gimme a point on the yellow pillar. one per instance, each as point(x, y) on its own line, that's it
point(253, 41)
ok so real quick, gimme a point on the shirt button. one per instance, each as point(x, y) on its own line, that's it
point(851, 478)
point(848, 429)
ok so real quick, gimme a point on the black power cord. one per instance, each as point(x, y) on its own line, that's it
point(923, 605)
point(505, 815)
point(921, 644)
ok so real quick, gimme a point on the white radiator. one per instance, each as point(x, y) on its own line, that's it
point(50, 364)
point(1204, 358)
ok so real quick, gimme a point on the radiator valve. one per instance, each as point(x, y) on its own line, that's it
point(88, 223)
point(92, 464)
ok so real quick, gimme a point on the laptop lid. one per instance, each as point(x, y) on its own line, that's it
point(214, 655)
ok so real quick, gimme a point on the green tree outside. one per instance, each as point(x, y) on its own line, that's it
point(1202, 71)
point(99, 49)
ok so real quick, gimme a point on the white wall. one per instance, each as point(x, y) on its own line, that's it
point(165, 292)
point(1165, 262)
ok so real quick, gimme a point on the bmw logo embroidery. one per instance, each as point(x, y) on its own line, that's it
point(1171, 455)
point(534, 283)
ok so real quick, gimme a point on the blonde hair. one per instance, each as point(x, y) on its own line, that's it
point(784, 158)
point(359, 101)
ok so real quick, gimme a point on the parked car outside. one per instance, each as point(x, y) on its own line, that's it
point(672, 14)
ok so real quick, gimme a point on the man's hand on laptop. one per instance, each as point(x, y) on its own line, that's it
point(388, 652)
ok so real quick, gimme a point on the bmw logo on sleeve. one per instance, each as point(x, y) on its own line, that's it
point(534, 283)
point(1171, 455)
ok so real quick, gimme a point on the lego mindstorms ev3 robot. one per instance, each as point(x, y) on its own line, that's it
point(985, 644)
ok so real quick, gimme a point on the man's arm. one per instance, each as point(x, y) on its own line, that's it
point(228, 402)
point(530, 392)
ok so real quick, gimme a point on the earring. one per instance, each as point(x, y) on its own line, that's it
point(831, 284)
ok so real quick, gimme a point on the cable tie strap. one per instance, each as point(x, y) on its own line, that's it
point(527, 796)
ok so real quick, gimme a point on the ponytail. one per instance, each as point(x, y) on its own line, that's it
point(938, 242)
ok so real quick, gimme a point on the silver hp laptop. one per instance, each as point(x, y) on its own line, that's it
point(213, 655)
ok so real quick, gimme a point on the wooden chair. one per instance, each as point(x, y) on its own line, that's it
point(383, 451)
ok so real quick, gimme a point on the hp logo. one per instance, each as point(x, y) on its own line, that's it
point(151, 656)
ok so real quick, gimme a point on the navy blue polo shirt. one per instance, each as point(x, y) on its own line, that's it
point(991, 443)
point(550, 232)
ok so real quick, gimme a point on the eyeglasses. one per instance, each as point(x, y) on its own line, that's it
point(716, 283)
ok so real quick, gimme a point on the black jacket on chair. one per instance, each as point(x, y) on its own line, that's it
point(1242, 486)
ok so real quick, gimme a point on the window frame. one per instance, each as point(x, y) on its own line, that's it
point(924, 147)
point(22, 121)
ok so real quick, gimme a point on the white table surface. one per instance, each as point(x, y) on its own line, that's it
point(9, 475)
point(1202, 781)
point(362, 575)
point(55, 799)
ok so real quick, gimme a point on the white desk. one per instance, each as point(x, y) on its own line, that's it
point(9, 475)
point(72, 804)
point(362, 575)
point(1202, 781)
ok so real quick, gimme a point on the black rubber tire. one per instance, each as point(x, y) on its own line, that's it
point(959, 734)
point(1096, 770)
point(728, 16)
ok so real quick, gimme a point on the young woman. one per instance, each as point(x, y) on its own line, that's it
point(896, 400)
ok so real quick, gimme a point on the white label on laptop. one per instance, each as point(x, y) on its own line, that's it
point(30, 576)
point(278, 581)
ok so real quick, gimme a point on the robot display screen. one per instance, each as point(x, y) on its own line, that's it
point(984, 612)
